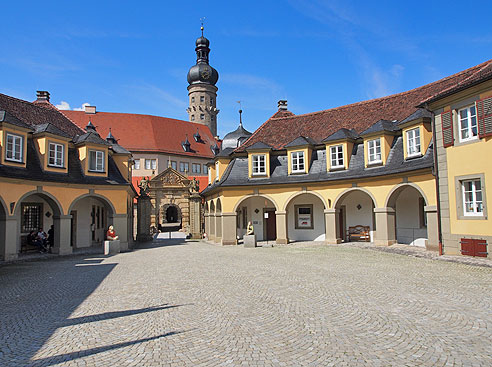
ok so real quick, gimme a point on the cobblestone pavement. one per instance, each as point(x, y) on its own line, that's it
point(197, 304)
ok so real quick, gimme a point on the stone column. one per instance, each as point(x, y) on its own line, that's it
point(385, 226)
point(432, 232)
point(218, 228)
point(211, 235)
point(229, 229)
point(282, 231)
point(63, 231)
point(10, 250)
point(120, 223)
point(195, 201)
point(144, 209)
point(331, 222)
point(207, 224)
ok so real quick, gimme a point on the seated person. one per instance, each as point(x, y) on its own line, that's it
point(34, 240)
point(51, 236)
point(42, 236)
point(111, 234)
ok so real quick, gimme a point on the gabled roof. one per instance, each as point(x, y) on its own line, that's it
point(49, 128)
point(301, 140)
point(380, 126)
point(342, 134)
point(283, 126)
point(420, 113)
point(37, 115)
point(259, 145)
point(8, 117)
point(90, 137)
point(147, 133)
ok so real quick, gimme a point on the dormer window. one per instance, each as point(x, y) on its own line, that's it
point(374, 151)
point(258, 164)
point(209, 175)
point(413, 142)
point(297, 159)
point(468, 123)
point(55, 155)
point(96, 161)
point(336, 156)
point(14, 149)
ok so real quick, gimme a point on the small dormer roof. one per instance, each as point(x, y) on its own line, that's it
point(418, 114)
point(90, 137)
point(381, 126)
point(51, 129)
point(341, 135)
point(186, 145)
point(300, 141)
point(8, 117)
point(90, 126)
point(258, 145)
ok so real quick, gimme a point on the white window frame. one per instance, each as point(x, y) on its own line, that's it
point(470, 116)
point(477, 205)
point(297, 160)
point(258, 164)
point(56, 154)
point(174, 165)
point(372, 151)
point(209, 175)
point(14, 149)
point(413, 143)
point(217, 171)
point(96, 161)
point(196, 168)
point(136, 164)
point(335, 152)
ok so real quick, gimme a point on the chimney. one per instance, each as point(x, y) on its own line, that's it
point(282, 105)
point(42, 96)
point(90, 109)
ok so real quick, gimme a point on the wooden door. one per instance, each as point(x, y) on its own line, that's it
point(271, 225)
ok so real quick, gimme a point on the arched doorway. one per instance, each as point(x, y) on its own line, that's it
point(218, 221)
point(91, 215)
point(306, 218)
point(410, 218)
point(355, 207)
point(171, 218)
point(261, 212)
point(172, 214)
point(211, 235)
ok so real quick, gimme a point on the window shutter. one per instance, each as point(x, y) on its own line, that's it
point(447, 129)
point(484, 114)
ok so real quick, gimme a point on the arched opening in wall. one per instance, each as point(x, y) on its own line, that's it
point(410, 218)
point(3, 217)
point(171, 218)
point(306, 218)
point(218, 220)
point(91, 217)
point(260, 211)
point(355, 216)
point(211, 231)
point(37, 212)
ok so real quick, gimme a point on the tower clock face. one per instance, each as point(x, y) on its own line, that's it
point(206, 73)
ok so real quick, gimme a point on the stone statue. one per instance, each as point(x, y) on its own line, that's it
point(250, 230)
point(144, 186)
point(111, 234)
point(195, 185)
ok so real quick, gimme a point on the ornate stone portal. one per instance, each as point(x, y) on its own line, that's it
point(175, 203)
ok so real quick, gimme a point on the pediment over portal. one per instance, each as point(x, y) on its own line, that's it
point(169, 178)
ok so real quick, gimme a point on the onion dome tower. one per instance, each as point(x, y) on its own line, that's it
point(237, 137)
point(202, 91)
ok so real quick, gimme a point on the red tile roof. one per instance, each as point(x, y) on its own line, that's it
point(281, 128)
point(33, 114)
point(146, 133)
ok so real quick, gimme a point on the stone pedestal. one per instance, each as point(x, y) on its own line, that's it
point(249, 240)
point(432, 243)
point(195, 216)
point(144, 208)
point(281, 221)
point(331, 225)
point(111, 247)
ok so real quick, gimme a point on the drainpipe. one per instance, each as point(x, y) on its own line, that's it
point(436, 174)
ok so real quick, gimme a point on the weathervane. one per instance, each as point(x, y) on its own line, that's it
point(202, 20)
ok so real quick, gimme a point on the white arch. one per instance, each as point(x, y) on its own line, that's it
point(3, 207)
point(98, 196)
point(252, 196)
point(58, 207)
point(218, 206)
point(305, 192)
point(402, 186)
point(344, 193)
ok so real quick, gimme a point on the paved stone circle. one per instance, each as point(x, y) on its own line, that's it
point(197, 304)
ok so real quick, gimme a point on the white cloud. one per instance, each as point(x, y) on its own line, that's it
point(83, 107)
point(63, 106)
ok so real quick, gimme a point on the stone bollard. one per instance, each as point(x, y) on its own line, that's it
point(249, 240)
point(111, 247)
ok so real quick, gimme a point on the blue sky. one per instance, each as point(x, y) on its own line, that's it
point(129, 56)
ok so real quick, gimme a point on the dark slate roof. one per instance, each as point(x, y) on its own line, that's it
point(301, 140)
point(236, 137)
point(33, 114)
point(119, 149)
point(342, 134)
point(226, 152)
point(90, 137)
point(49, 128)
point(380, 126)
point(236, 173)
point(259, 145)
point(34, 170)
point(8, 117)
point(420, 113)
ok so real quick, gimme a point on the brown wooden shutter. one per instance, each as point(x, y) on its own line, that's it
point(447, 129)
point(484, 116)
point(470, 247)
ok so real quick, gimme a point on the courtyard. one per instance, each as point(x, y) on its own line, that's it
point(177, 303)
